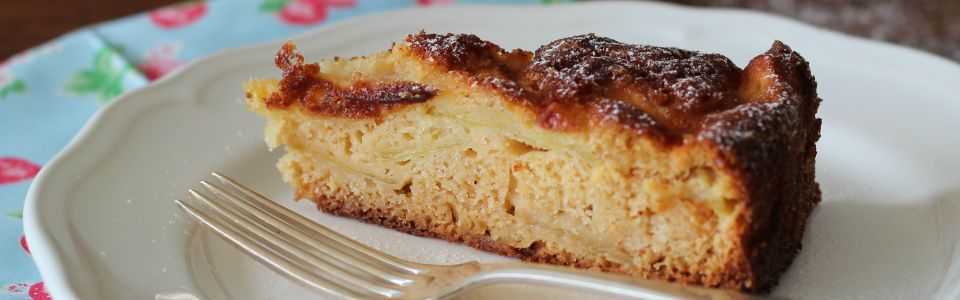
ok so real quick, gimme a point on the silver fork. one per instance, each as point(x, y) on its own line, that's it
point(326, 261)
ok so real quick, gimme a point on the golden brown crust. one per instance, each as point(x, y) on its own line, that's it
point(770, 146)
point(301, 83)
point(661, 92)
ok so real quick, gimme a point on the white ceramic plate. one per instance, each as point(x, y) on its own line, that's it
point(102, 224)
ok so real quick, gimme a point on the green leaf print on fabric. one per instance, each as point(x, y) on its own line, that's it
point(15, 87)
point(17, 214)
point(105, 80)
point(272, 5)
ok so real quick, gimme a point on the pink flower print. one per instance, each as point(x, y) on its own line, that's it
point(160, 61)
point(15, 169)
point(16, 289)
point(178, 15)
point(433, 2)
point(23, 243)
point(39, 292)
point(303, 12)
point(36, 291)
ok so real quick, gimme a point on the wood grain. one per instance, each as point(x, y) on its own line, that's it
point(25, 23)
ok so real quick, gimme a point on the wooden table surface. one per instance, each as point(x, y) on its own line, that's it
point(932, 25)
point(24, 24)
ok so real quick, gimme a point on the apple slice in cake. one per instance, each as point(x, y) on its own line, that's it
point(648, 161)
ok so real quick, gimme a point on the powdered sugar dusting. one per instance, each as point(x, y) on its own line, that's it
point(462, 52)
point(744, 122)
point(686, 81)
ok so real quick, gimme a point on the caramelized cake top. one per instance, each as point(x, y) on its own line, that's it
point(301, 83)
point(586, 76)
point(667, 94)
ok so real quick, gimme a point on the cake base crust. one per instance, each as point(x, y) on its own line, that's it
point(784, 256)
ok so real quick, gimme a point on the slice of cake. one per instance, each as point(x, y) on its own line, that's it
point(649, 161)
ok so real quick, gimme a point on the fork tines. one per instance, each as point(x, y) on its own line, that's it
point(297, 247)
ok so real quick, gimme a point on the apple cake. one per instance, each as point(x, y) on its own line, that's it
point(653, 162)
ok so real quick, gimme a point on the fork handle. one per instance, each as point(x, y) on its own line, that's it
point(605, 283)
